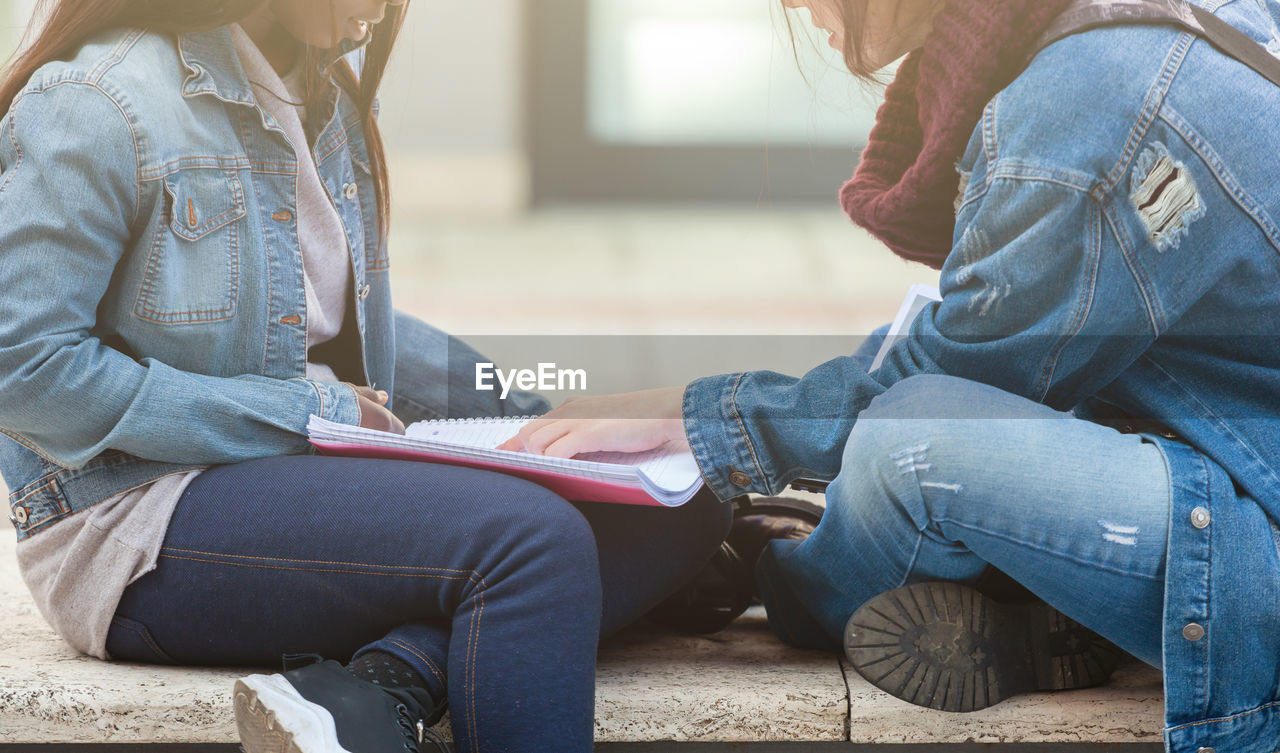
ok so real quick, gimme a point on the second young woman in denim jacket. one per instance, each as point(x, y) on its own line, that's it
point(1105, 213)
point(193, 224)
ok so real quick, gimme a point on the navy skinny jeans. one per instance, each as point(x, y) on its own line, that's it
point(494, 589)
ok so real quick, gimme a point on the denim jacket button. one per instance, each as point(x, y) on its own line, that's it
point(1193, 632)
point(363, 293)
point(1200, 517)
point(1205, 750)
point(350, 191)
point(20, 515)
point(738, 478)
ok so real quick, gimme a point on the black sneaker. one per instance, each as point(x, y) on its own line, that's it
point(949, 647)
point(323, 708)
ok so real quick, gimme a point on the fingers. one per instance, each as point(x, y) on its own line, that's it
point(538, 437)
point(376, 396)
point(535, 436)
point(569, 444)
point(567, 438)
point(548, 433)
point(375, 416)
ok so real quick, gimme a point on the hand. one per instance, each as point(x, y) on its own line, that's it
point(632, 422)
point(373, 410)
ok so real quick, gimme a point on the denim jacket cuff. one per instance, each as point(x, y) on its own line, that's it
point(337, 402)
point(719, 439)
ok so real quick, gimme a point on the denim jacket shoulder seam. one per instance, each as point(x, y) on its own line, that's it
point(124, 115)
point(1209, 156)
point(17, 149)
point(117, 56)
point(137, 149)
point(1150, 111)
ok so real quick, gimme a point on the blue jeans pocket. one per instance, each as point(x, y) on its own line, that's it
point(130, 640)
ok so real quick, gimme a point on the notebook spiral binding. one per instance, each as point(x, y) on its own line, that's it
point(485, 420)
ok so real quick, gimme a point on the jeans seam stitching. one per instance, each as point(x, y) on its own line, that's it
point(145, 633)
point(315, 569)
point(315, 562)
point(435, 670)
point(472, 653)
point(141, 632)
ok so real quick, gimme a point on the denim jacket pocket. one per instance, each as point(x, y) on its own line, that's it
point(193, 269)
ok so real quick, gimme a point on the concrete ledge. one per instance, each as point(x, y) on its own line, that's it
point(741, 685)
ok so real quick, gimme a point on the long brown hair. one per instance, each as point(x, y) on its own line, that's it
point(853, 18)
point(72, 22)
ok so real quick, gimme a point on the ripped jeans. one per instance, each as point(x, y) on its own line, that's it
point(942, 477)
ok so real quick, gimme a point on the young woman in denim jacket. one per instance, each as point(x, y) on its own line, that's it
point(1094, 406)
point(193, 254)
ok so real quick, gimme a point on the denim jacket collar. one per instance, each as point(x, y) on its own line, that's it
point(210, 56)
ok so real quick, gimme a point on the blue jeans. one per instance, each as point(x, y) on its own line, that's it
point(942, 477)
point(494, 589)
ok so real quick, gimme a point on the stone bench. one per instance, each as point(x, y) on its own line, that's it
point(738, 686)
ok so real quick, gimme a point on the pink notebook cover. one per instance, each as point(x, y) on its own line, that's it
point(570, 487)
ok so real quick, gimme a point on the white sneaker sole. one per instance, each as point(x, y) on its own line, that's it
point(273, 718)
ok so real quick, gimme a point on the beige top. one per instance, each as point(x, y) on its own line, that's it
point(78, 569)
point(326, 258)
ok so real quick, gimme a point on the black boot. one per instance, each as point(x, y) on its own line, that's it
point(949, 647)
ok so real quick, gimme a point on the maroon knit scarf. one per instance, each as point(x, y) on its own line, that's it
point(906, 184)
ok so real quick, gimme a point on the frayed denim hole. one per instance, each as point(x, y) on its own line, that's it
point(1165, 196)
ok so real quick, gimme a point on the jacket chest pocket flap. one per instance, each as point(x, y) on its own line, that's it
point(193, 267)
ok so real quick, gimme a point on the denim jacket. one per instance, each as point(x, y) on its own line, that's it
point(1117, 252)
point(154, 312)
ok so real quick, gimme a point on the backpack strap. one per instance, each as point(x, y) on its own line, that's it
point(1083, 15)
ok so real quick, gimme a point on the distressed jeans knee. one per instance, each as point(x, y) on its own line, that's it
point(943, 477)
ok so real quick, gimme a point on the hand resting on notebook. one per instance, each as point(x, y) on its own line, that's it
point(630, 422)
point(373, 410)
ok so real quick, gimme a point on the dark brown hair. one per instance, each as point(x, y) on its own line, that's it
point(72, 22)
point(853, 21)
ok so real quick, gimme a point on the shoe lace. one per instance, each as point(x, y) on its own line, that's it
point(416, 732)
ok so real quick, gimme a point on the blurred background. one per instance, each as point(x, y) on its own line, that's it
point(626, 168)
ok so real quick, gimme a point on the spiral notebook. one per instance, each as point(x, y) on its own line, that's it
point(667, 476)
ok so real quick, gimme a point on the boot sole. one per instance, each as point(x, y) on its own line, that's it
point(272, 717)
point(948, 647)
